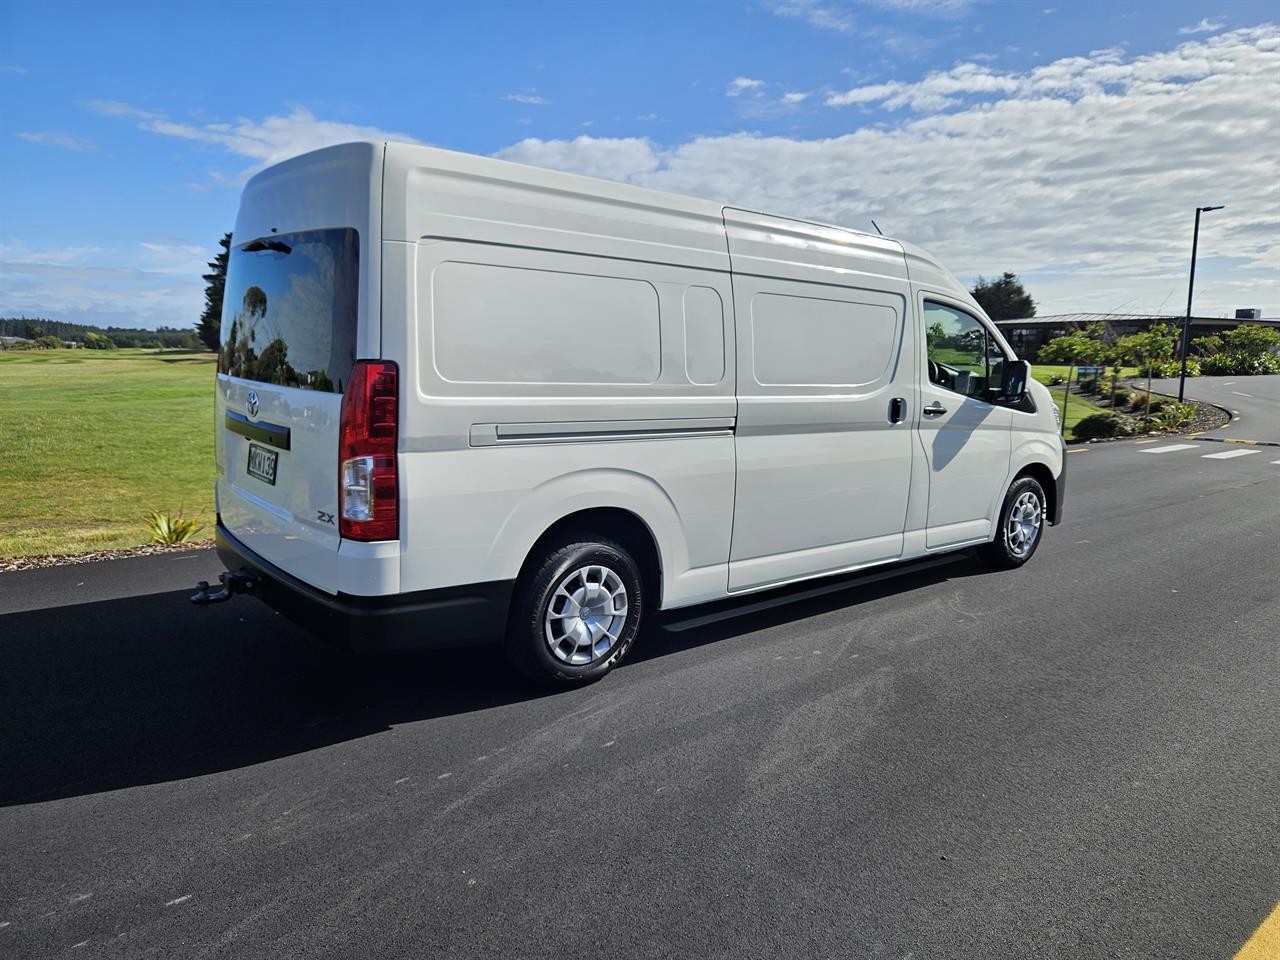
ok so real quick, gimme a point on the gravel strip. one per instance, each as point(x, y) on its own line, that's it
point(14, 564)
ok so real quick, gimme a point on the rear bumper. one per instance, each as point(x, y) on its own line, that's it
point(428, 619)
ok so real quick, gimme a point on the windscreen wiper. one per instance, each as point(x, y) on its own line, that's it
point(256, 246)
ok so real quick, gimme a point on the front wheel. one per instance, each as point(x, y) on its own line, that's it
point(577, 612)
point(1022, 518)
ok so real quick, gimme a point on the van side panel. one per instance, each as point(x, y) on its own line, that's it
point(563, 349)
point(824, 348)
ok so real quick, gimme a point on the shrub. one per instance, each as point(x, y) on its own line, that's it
point(1240, 364)
point(1163, 369)
point(97, 341)
point(1172, 416)
point(1159, 404)
point(1138, 400)
point(166, 528)
point(1107, 424)
point(1057, 380)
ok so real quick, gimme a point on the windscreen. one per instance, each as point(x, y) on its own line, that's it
point(289, 309)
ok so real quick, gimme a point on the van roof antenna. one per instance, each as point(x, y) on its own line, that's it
point(877, 226)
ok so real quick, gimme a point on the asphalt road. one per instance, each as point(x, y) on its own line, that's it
point(1078, 759)
point(1254, 403)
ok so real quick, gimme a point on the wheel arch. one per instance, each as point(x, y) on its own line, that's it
point(1041, 473)
point(615, 523)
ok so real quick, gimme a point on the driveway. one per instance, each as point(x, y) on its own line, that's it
point(1253, 401)
point(1076, 759)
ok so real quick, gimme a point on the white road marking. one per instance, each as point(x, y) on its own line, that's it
point(174, 903)
point(1229, 454)
point(1239, 394)
point(1170, 449)
point(1275, 461)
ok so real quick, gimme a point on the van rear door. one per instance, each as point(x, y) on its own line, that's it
point(289, 344)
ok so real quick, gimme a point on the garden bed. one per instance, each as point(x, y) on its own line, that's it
point(14, 564)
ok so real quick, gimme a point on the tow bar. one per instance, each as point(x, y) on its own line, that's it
point(232, 583)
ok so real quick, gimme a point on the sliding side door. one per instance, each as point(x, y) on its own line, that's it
point(826, 392)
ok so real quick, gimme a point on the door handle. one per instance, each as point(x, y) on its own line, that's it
point(897, 410)
point(934, 409)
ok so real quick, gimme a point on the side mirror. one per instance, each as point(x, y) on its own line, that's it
point(1013, 380)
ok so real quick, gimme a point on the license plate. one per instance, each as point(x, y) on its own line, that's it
point(262, 463)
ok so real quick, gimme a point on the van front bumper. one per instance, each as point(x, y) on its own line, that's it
point(424, 620)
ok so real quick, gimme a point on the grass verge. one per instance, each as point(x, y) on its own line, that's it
point(92, 440)
point(1077, 409)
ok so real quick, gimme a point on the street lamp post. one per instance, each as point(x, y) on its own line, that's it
point(1191, 285)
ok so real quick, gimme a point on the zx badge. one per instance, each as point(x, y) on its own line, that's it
point(324, 517)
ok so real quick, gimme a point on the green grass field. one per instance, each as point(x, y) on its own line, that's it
point(92, 440)
point(1079, 407)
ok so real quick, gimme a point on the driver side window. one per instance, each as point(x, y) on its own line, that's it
point(962, 357)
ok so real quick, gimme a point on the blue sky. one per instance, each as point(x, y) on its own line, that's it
point(1069, 142)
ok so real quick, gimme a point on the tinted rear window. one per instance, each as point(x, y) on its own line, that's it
point(289, 309)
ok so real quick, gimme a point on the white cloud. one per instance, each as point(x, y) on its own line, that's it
point(616, 158)
point(20, 253)
point(794, 97)
point(1081, 174)
point(837, 17)
point(14, 69)
point(265, 141)
point(929, 8)
point(1100, 72)
point(1207, 25)
point(740, 84)
point(158, 285)
point(52, 138)
point(822, 16)
point(647, 117)
point(528, 98)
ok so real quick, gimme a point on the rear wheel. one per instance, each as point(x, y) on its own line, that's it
point(1022, 519)
point(576, 612)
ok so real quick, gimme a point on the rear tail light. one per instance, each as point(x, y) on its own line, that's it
point(368, 485)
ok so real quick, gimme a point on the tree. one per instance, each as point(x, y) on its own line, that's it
point(97, 341)
point(1251, 340)
point(1078, 348)
point(215, 281)
point(1004, 299)
point(48, 343)
point(1156, 344)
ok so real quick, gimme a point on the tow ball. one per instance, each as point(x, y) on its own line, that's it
point(232, 583)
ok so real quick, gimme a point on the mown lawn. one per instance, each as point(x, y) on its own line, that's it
point(92, 440)
point(1077, 409)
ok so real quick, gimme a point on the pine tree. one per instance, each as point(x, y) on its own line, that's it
point(1004, 299)
point(208, 328)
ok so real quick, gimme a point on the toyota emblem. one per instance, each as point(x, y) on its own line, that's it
point(252, 404)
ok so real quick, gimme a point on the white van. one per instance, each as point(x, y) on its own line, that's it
point(460, 400)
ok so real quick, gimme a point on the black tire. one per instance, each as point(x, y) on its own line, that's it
point(1003, 554)
point(528, 646)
